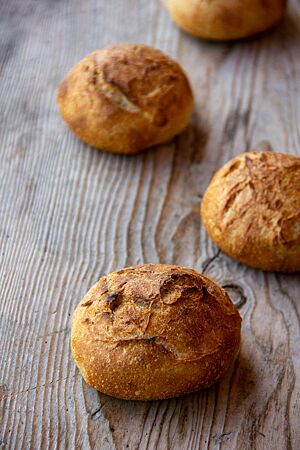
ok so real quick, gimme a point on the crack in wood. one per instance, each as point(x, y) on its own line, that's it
point(95, 415)
point(50, 384)
point(219, 438)
point(242, 299)
point(259, 432)
point(209, 261)
point(64, 330)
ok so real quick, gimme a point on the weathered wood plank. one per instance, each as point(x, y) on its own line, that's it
point(70, 213)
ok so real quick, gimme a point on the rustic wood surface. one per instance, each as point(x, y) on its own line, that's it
point(70, 213)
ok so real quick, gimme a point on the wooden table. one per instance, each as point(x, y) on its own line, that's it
point(70, 213)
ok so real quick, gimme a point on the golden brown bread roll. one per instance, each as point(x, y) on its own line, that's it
point(251, 210)
point(225, 19)
point(154, 331)
point(125, 98)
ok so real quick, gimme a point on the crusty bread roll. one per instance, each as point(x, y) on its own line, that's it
point(154, 331)
point(125, 98)
point(251, 210)
point(225, 19)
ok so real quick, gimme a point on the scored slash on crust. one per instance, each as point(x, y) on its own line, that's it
point(115, 94)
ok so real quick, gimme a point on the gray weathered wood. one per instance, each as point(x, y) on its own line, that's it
point(70, 213)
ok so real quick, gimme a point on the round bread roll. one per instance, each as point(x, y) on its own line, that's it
point(251, 210)
point(125, 98)
point(225, 19)
point(154, 331)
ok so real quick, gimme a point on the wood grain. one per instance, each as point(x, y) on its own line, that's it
point(69, 214)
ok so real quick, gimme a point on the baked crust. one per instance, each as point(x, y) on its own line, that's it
point(225, 20)
point(251, 210)
point(125, 98)
point(154, 331)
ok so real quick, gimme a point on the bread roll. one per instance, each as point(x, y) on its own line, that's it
point(225, 19)
point(125, 98)
point(154, 331)
point(251, 210)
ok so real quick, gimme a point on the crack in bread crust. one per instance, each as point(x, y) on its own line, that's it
point(158, 341)
point(113, 93)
